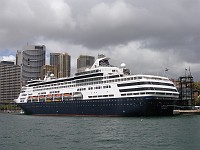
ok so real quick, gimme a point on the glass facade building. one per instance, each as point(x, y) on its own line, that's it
point(31, 59)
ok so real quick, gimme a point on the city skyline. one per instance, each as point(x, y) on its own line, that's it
point(148, 36)
point(73, 70)
point(58, 60)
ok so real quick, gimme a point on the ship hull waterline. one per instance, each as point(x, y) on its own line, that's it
point(141, 106)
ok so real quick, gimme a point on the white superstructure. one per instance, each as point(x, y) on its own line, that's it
point(99, 82)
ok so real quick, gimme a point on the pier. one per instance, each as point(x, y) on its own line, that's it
point(187, 112)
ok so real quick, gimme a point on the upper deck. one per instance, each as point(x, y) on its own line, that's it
point(99, 81)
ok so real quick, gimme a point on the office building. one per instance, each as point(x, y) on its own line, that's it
point(62, 61)
point(48, 70)
point(84, 61)
point(9, 81)
point(31, 59)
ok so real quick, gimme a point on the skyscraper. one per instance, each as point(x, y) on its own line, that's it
point(62, 61)
point(31, 59)
point(48, 70)
point(9, 81)
point(84, 61)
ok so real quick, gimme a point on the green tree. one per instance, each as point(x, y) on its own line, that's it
point(196, 87)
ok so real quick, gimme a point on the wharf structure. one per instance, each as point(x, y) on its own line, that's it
point(186, 89)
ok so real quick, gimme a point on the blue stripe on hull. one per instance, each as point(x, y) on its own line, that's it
point(143, 106)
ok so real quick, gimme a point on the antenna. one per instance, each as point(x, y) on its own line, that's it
point(190, 72)
point(185, 72)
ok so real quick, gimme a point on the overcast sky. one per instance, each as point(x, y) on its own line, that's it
point(147, 35)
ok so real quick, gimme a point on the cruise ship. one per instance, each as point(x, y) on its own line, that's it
point(102, 90)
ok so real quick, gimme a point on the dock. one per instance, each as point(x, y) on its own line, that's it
point(187, 112)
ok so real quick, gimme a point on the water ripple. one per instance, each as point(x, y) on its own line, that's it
point(88, 133)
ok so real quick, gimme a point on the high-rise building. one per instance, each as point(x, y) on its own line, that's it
point(9, 81)
point(84, 61)
point(62, 61)
point(48, 70)
point(31, 59)
point(54, 59)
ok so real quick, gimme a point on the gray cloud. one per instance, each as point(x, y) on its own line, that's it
point(163, 33)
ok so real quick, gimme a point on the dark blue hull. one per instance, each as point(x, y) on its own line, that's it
point(140, 106)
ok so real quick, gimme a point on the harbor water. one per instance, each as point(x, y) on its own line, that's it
point(23, 132)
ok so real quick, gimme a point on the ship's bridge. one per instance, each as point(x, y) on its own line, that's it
point(104, 66)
